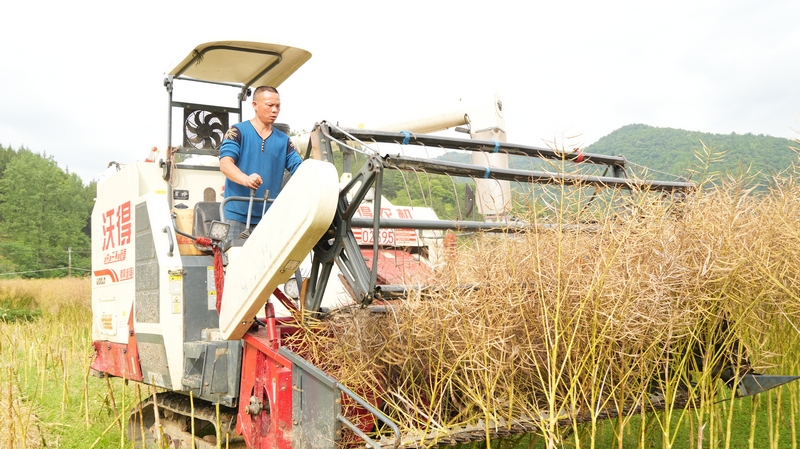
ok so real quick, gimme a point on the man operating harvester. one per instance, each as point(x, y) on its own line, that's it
point(254, 155)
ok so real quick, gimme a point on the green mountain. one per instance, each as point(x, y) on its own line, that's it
point(673, 151)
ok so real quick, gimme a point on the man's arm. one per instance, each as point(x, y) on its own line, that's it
point(229, 152)
point(293, 159)
point(232, 172)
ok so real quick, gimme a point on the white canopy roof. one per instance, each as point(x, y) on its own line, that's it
point(241, 63)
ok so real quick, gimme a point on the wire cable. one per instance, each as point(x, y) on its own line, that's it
point(47, 269)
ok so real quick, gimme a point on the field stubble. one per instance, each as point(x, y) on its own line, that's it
point(47, 398)
point(553, 321)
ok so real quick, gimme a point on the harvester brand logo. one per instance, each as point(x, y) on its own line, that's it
point(389, 237)
point(117, 226)
point(117, 232)
point(110, 273)
point(124, 275)
point(115, 256)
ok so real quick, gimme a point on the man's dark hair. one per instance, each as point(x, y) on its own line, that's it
point(262, 89)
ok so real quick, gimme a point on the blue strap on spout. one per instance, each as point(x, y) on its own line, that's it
point(486, 173)
point(408, 137)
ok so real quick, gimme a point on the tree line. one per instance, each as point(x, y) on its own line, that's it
point(687, 154)
point(45, 217)
point(45, 212)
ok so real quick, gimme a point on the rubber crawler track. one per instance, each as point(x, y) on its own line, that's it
point(180, 407)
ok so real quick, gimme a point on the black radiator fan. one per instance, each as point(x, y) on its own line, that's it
point(204, 130)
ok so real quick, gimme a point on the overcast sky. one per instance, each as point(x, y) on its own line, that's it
point(82, 81)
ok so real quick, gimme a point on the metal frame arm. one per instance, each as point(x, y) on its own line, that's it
point(339, 245)
point(404, 138)
point(528, 176)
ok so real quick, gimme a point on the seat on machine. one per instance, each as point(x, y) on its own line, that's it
point(204, 213)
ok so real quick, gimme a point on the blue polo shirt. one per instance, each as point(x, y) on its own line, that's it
point(268, 157)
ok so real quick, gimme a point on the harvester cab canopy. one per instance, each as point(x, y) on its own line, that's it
point(240, 65)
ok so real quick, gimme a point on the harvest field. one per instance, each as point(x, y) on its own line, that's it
point(600, 318)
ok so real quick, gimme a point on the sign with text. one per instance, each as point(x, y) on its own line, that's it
point(387, 236)
point(117, 232)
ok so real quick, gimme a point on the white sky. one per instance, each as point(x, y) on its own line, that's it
point(82, 80)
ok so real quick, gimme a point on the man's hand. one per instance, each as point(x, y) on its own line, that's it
point(232, 172)
point(253, 181)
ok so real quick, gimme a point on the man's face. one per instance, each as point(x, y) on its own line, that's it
point(267, 105)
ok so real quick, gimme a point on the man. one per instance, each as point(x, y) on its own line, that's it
point(254, 155)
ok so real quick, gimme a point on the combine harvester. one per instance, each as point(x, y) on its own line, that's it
point(160, 247)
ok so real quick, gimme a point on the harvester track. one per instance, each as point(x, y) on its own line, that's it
point(174, 413)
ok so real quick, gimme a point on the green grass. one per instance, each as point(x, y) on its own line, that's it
point(46, 393)
point(770, 414)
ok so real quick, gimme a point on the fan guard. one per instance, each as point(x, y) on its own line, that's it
point(204, 130)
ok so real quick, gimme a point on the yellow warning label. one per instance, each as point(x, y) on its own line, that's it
point(210, 282)
point(291, 265)
point(212, 300)
point(176, 304)
point(107, 321)
point(175, 284)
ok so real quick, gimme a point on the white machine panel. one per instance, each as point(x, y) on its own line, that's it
point(294, 223)
point(113, 246)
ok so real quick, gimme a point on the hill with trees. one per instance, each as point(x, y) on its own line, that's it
point(674, 151)
point(45, 217)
